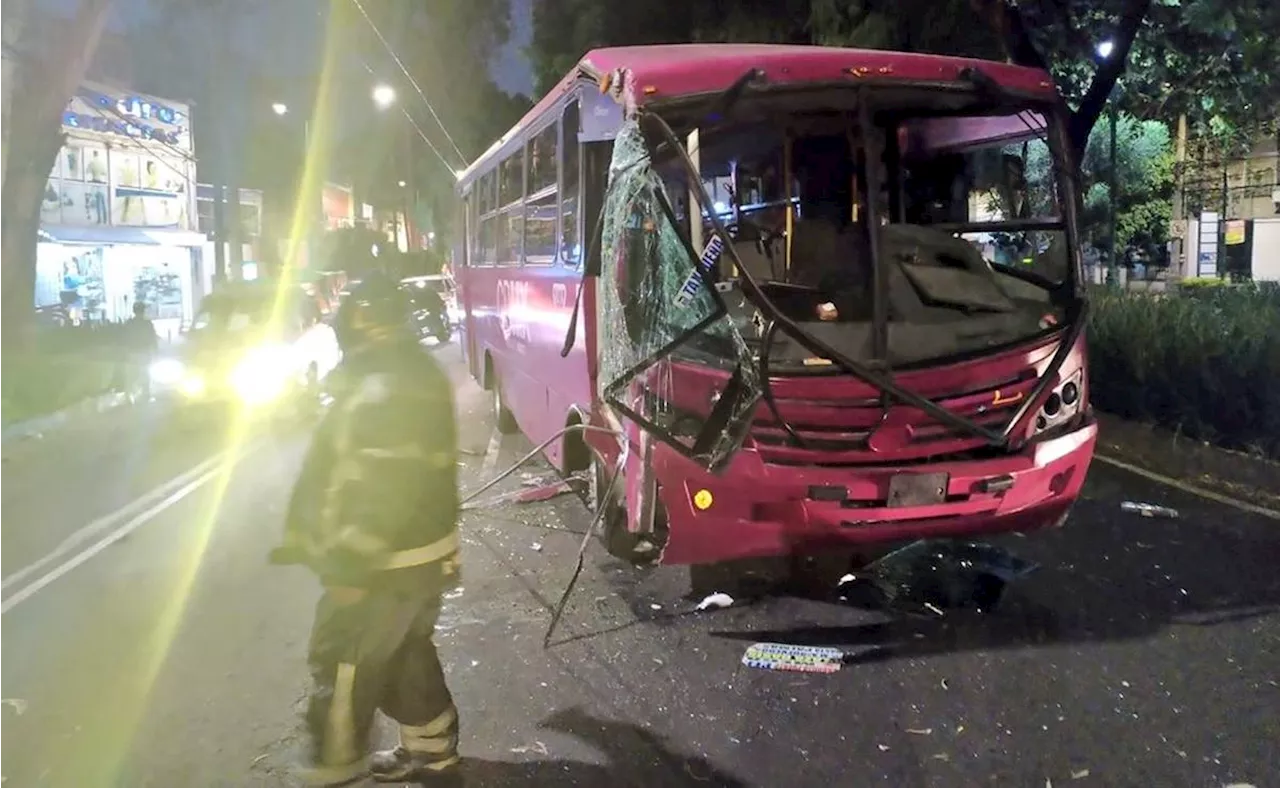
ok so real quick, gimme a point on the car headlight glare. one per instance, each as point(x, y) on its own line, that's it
point(167, 371)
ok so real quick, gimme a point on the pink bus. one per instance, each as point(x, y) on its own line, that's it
point(811, 298)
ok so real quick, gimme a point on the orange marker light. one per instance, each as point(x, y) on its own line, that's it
point(702, 500)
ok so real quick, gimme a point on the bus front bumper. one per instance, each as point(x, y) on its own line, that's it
point(758, 510)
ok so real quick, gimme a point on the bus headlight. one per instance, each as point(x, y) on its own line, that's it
point(262, 375)
point(167, 371)
point(1062, 404)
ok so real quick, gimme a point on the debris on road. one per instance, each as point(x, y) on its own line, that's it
point(883, 747)
point(1148, 509)
point(920, 731)
point(1080, 775)
point(18, 704)
point(935, 575)
point(537, 547)
point(537, 748)
point(717, 600)
point(801, 659)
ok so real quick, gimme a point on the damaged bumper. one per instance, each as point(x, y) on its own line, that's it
point(755, 509)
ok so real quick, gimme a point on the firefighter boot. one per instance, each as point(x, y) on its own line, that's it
point(404, 765)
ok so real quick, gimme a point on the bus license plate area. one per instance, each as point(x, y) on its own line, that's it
point(917, 489)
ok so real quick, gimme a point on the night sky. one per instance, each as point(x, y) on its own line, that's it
point(285, 34)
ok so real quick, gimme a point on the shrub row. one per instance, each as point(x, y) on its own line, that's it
point(60, 367)
point(1201, 360)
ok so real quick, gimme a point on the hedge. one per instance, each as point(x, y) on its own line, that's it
point(61, 367)
point(1202, 360)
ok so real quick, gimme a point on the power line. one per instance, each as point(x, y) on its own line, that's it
point(412, 81)
point(416, 127)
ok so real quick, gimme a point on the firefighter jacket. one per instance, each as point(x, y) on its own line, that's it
point(376, 503)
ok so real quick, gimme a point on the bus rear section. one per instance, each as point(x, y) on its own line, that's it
point(834, 312)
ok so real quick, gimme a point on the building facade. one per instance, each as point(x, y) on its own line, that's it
point(118, 215)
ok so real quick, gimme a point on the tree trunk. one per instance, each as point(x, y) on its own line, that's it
point(46, 78)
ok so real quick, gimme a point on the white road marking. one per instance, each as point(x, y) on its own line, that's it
point(1201, 492)
point(107, 521)
point(34, 588)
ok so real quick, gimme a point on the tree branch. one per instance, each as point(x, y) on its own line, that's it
point(75, 56)
point(1005, 19)
point(1095, 99)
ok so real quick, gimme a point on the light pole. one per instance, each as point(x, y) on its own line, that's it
point(1104, 51)
point(281, 109)
point(383, 97)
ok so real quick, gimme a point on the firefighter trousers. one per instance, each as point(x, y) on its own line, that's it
point(377, 654)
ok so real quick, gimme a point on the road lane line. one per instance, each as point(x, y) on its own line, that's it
point(107, 521)
point(34, 588)
point(1201, 492)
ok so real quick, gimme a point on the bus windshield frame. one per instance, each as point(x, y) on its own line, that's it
point(862, 107)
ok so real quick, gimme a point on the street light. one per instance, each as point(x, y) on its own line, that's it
point(279, 108)
point(384, 96)
point(1104, 51)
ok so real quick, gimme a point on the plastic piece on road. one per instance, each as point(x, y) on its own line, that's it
point(800, 659)
point(1148, 509)
point(718, 600)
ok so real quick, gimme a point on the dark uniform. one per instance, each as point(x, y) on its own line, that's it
point(142, 346)
point(374, 515)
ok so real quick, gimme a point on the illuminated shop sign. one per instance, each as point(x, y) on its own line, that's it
point(128, 115)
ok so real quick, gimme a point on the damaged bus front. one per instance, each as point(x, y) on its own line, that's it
point(834, 305)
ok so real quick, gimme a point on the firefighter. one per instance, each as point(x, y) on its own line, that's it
point(374, 515)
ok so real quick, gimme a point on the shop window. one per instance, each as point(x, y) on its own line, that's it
point(541, 216)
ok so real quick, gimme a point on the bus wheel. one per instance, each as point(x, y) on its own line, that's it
point(638, 549)
point(502, 415)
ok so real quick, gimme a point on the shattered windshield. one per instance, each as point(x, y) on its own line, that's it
point(969, 232)
point(659, 309)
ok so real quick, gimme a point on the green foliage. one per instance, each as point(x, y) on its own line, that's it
point(1144, 169)
point(1207, 365)
point(1215, 60)
point(60, 368)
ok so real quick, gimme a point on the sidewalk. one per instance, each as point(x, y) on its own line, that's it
point(40, 424)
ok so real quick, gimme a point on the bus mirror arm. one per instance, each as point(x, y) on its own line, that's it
point(812, 343)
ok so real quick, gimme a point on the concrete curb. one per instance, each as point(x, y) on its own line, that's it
point(34, 427)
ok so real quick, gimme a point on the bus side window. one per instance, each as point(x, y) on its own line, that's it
point(486, 202)
point(510, 223)
point(570, 194)
point(466, 227)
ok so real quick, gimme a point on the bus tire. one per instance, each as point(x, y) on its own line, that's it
point(637, 549)
point(503, 418)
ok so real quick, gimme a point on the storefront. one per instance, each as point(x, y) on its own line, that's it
point(118, 212)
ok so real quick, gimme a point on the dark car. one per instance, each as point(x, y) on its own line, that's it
point(428, 302)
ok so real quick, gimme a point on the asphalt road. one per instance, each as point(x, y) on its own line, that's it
point(1142, 653)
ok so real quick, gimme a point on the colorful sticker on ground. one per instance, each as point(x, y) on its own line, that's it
point(804, 659)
